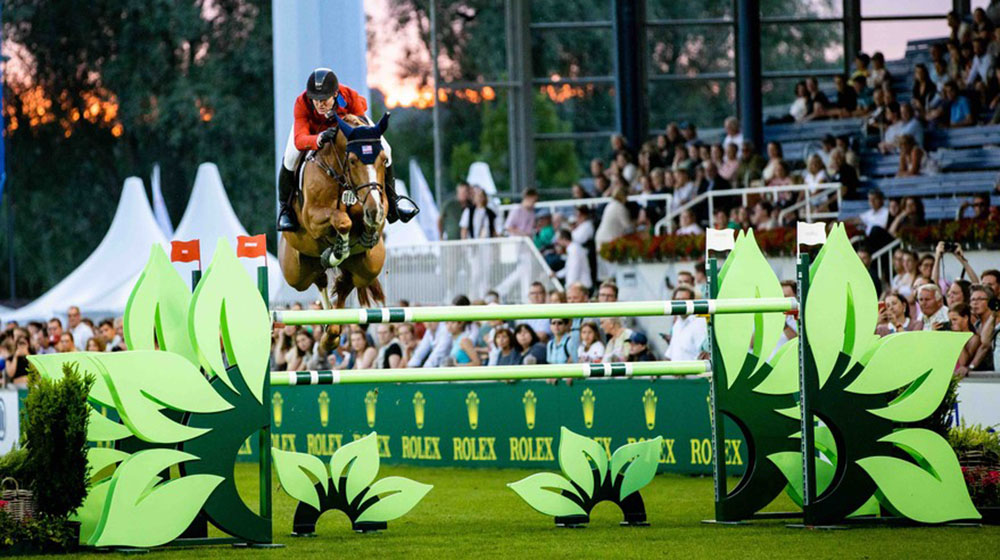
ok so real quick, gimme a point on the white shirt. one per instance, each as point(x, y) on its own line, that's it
point(480, 225)
point(618, 347)
point(686, 338)
point(939, 316)
point(583, 232)
point(433, 348)
point(593, 355)
point(81, 335)
point(733, 139)
point(814, 180)
point(893, 132)
point(615, 222)
point(692, 229)
point(980, 68)
point(683, 194)
point(872, 218)
point(577, 268)
point(799, 109)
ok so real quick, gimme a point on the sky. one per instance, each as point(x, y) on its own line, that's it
point(888, 37)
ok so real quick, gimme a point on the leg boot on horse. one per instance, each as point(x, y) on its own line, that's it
point(286, 195)
point(401, 208)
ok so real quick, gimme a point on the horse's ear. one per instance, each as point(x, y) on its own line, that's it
point(383, 123)
point(344, 127)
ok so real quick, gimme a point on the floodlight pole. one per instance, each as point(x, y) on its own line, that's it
point(435, 110)
point(748, 70)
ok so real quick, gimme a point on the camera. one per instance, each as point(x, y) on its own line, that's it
point(994, 304)
point(950, 246)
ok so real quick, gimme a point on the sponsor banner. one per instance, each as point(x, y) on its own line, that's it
point(490, 424)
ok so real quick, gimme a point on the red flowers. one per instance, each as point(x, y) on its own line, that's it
point(644, 247)
point(984, 485)
point(984, 232)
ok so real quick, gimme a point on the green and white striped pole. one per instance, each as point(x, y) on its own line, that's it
point(490, 373)
point(532, 311)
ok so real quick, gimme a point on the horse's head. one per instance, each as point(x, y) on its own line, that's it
point(365, 168)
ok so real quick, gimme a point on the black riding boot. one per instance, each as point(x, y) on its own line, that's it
point(286, 192)
point(396, 211)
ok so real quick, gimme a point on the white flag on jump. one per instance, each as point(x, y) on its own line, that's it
point(719, 240)
point(811, 234)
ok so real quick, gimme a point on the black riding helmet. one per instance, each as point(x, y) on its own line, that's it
point(322, 84)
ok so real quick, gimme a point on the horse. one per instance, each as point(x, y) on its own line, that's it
point(342, 210)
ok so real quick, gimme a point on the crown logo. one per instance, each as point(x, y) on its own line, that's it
point(649, 408)
point(371, 397)
point(276, 402)
point(418, 409)
point(472, 402)
point(588, 399)
point(529, 400)
point(324, 408)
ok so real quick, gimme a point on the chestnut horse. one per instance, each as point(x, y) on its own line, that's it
point(341, 209)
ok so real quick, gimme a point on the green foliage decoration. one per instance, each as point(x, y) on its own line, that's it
point(349, 486)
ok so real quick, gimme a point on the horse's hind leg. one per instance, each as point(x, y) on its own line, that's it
point(376, 292)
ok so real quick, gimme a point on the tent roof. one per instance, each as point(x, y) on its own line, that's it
point(209, 216)
point(100, 286)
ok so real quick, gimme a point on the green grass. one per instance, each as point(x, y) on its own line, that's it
point(473, 513)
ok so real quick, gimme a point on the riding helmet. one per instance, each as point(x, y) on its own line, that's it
point(322, 84)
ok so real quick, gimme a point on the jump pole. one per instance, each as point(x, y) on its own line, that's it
point(490, 373)
point(529, 311)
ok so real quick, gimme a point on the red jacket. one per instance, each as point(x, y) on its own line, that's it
point(309, 123)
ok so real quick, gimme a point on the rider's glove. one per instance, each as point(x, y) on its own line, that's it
point(328, 136)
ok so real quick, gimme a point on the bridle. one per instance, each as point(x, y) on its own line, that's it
point(350, 194)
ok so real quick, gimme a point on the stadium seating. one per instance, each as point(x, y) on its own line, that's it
point(977, 159)
point(968, 137)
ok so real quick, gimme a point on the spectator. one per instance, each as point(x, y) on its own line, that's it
point(925, 267)
point(284, 340)
point(764, 216)
point(112, 341)
point(408, 342)
point(861, 62)
point(714, 182)
point(537, 294)
point(576, 293)
point(618, 346)
point(506, 354)
point(841, 172)
point(982, 65)
point(690, 134)
point(988, 356)
point(66, 343)
point(360, 355)
point(561, 348)
point(16, 366)
point(877, 116)
point(545, 233)
point(40, 343)
point(879, 74)
point(893, 130)
point(301, 355)
point(95, 344)
point(877, 215)
point(577, 267)
point(733, 134)
point(818, 104)
point(478, 221)
point(956, 111)
point(639, 349)
point(791, 329)
point(750, 168)
point(774, 157)
point(960, 319)
point(579, 192)
point(994, 46)
point(911, 124)
point(959, 255)
point(591, 349)
point(435, 346)
point(902, 282)
point(800, 108)
point(608, 292)
point(528, 345)
point(688, 333)
point(81, 331)
point(463, 349)
point(781, 178)
point(685, 188)
point(894, 315)
point(731, 162)
point(863, 94)
point(847, 97)
point(815, 174)
point(689, 224)
point(615, 222)
point(628, 170)
point(958, 292)
point(991, 278)
point(976, 209)
point(390, 350)
point(957, 27)
point(982, 27)
point(979, 298)
point(912, 159)
point(911, 215)
point(449, 223)
point(521, 220)
point(672, 137)
point(924, 89)
point(933, 313)
point(720, 220)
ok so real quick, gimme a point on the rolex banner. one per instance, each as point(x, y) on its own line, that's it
point(491, 424)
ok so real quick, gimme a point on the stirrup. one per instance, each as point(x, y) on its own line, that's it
point(406, 212)
point(286, 219)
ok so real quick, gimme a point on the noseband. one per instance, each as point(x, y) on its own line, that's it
point(351, 194)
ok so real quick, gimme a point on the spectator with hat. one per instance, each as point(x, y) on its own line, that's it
point(639, 348)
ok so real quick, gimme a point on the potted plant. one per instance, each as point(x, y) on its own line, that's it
point(978, 451)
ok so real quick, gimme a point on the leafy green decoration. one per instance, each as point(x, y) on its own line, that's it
point(227, 301)
point(140, 511)
point(89, 514)
point(841, 314)
point(750, 277)
point(639, 461)
point(790, 465)
point(923, 359)
point(784, 377)
point(294, 470)
point(102, 428)
point(357, 461)
point(396, 497)
point(51, 366)
point(576, 453)
point(932, 490)
point(545, 492)
point(159, 305)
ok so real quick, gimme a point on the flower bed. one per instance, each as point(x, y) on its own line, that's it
point(970, 233)
point(644, 247)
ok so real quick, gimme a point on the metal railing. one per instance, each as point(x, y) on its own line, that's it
point(570, 203)
point(710, 196)
point(878, 257)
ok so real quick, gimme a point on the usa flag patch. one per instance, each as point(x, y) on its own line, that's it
point(366, 150)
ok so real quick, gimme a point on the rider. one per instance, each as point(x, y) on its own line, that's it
point(316, 112)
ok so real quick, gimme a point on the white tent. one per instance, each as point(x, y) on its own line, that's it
point(480, 176)
point(209, 216)
point(101, 285)
point(399, 233)
point(420, 192)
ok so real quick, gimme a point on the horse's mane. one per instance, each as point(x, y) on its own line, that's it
point(354, 120)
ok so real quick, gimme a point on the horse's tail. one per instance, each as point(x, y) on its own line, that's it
point(372, 295)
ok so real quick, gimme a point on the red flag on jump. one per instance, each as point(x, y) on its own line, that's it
point(251, 246)
point(185, 251)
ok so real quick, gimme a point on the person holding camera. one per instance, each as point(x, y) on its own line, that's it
point(985, 308)
point(955, 249)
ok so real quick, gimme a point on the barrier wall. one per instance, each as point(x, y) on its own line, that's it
point(500, 425)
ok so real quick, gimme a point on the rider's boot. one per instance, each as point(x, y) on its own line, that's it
point(286, 192)
point(397, 212)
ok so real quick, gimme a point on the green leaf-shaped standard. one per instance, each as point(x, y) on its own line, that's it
point(749, 276)
point(923, 359)
point(159, 303)
point(397, 496)
point(360, 459)
point(89, 514)
point(934, 491)
point(790, 465)
point(784, 378)
point(841, 309)
point(144, 382)
point(293, 473)
point(50, 366)
point(575, 455)
point(139, 512)
point(102, 428)
point(542, 491)
point(641, 458)
point(227, 301)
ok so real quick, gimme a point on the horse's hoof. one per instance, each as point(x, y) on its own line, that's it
point(330, 339)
